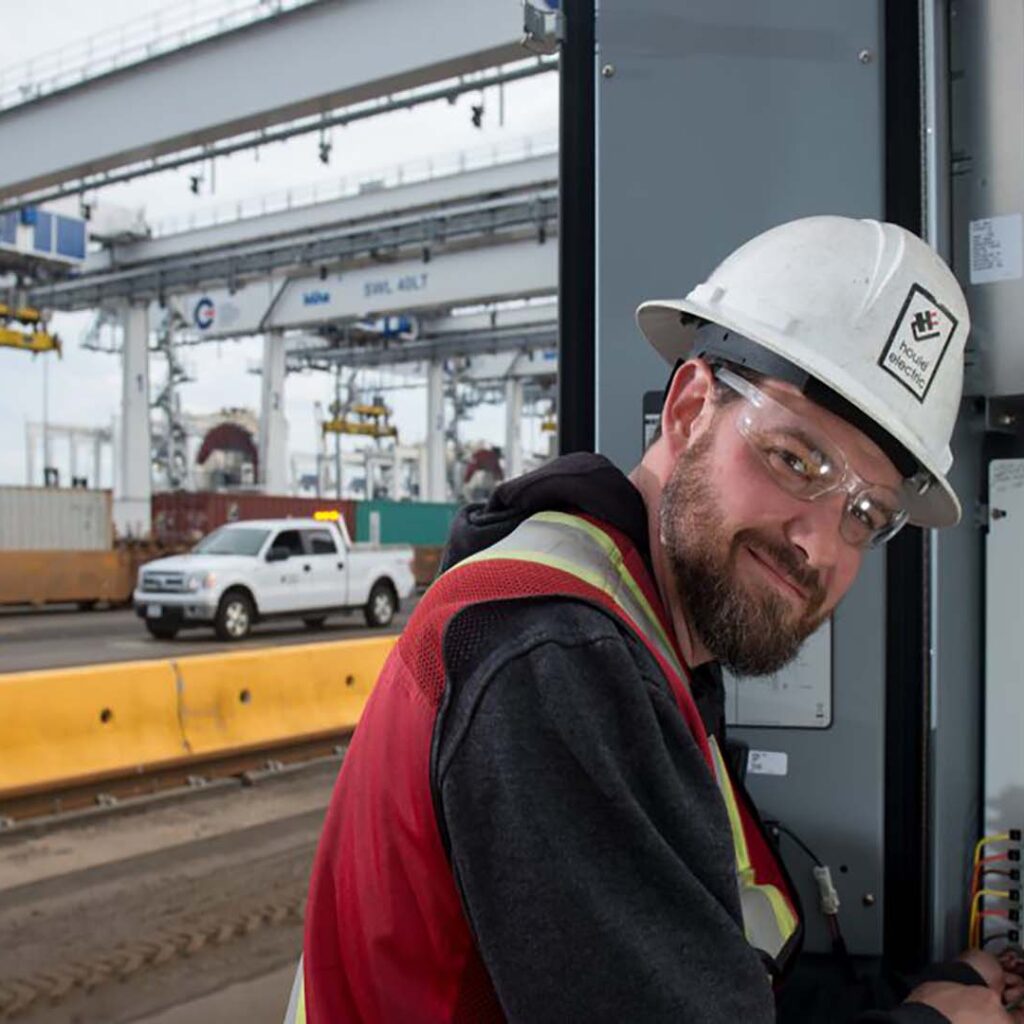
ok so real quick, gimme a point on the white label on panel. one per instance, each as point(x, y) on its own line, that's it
point(996, 249)
point(768, 762)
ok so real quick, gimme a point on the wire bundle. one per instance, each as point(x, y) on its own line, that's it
point(999, 864)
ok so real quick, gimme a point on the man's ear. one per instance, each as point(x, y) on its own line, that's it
point(689, 405)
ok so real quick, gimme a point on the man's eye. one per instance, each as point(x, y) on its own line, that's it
point(864, 517)
point(871, 515)
point(787, 461)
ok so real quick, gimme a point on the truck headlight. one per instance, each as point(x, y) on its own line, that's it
point(200, 581)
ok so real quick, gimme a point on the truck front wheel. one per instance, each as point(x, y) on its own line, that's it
point(235, 613)
point(381, 606)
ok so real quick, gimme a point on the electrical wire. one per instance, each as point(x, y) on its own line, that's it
point(977, 913)
point(799, 842)
point(979, 870)
point(839, 948)
point(974, 918)
point(995, 837)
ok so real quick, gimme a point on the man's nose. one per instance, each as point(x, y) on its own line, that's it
point(815, 530)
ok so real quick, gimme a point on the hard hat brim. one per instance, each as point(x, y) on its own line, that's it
point(662, 323)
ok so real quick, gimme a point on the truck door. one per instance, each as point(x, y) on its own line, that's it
point(328, 575)
point(284, 582)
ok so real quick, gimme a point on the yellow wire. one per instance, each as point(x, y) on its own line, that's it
point(996, 837)
point(974, 927)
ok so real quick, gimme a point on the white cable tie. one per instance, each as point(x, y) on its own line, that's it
point(828, 897)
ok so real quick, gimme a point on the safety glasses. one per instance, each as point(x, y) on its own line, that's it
point(807, 463)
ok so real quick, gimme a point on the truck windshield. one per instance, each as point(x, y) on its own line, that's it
point(232, 540)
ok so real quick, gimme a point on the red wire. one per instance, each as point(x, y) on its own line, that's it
point(977, 872)
point(993, 913)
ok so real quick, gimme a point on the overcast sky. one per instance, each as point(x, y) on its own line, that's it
point(84, 387)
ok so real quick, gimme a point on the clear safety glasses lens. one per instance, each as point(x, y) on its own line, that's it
point(809, 465)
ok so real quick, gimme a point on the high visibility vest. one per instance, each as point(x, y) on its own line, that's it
point(557, 554)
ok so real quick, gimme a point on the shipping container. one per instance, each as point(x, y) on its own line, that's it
point(85, 577)
point(426, 563)
point(55, 519)
point(404, 522)
point(181, 518)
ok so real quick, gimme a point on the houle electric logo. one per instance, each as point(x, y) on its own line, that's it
point(918, 342)
point(205, 313)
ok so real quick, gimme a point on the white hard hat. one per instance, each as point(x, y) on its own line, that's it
point(866, 313)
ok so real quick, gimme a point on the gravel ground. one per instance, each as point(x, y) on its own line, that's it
point(187, 910)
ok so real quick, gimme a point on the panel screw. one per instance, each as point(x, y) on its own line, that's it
point(865, 56)
point(868, 899)
point(608, 71)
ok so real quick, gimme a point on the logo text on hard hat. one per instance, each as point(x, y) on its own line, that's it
point(918, 342)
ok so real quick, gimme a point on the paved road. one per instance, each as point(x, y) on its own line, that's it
point(60, 637)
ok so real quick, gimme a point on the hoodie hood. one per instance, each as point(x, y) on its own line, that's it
point(581, 482)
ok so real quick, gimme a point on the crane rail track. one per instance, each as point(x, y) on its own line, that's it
point(41, 807)
point(196, 908)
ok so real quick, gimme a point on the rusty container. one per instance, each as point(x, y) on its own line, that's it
point(54, 577)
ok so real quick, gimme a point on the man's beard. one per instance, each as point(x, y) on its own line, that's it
point(751, 631)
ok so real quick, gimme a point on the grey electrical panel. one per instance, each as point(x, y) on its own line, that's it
point(714, 122)
point(987, 96)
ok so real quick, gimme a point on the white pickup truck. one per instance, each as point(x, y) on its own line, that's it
point(266, 568)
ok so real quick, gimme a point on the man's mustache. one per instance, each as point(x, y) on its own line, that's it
point(808, 579)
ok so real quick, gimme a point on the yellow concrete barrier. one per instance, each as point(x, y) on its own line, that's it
point(261, 696)
point(73, 722)
point(66, 724)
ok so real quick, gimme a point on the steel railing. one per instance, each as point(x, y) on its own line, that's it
point(140, 39)
point(361, 182)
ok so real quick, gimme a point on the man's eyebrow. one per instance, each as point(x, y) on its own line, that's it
point(808, 442)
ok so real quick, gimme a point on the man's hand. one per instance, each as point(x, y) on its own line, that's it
point(964, 1004)
point(987, 966)
point(1002, 974)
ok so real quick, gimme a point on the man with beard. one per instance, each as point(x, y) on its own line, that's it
point(535, 820)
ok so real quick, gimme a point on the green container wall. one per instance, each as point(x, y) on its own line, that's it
point(406, 522)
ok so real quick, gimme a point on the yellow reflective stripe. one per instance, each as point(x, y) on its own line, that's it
point(784, 917)
point(739, 838)
point(783, 914)
point(296, 1011)
point(608, 546)
point(551, 561)
point(597, 580)
point(642, 614)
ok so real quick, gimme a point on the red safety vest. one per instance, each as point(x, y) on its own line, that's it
point(386, 938)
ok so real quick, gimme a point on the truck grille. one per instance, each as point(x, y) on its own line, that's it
point(163, 582)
